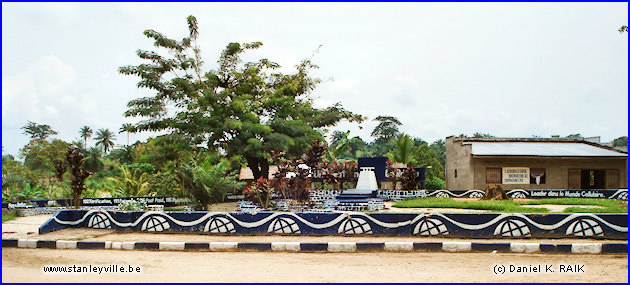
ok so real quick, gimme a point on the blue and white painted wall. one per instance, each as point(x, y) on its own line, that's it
point(483, 225)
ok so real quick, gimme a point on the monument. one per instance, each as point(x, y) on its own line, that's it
point(366, 186)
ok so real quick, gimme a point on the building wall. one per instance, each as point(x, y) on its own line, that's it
point(458, 157)
point(556, 169)
point(471, 171)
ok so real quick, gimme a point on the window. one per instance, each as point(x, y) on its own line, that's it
point(455, 173)
point(537, 176)
point(493, 175)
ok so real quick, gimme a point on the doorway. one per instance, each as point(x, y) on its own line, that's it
point(593, 179)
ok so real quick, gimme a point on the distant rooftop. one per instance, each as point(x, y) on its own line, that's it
point(540, 147)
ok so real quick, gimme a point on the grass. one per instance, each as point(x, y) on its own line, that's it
point(510, 206)
point(6, 216)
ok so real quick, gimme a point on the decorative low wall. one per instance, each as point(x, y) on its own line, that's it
point(621, 194)
point(167, 201)
point(484, 225)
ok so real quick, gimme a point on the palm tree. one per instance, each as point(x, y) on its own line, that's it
point(86, 133)
point(403, 149)
point(126, 127)
point(92, 160)
point(105, 138)
point(130, 183)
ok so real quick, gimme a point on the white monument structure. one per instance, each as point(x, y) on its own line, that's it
point(366, 184)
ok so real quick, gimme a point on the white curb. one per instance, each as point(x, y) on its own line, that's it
point(586, 248)
point(285, 246)
point(457, 246)
point(27, 243)
point(398, 246)
point(525, 247)
point(129, 245)
point(343, 246)
point(172, 245)
point(65, 244)
point(219, 246)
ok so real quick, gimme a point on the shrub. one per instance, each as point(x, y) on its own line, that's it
point(259, 192)
point(408, 179)
point(434, 183)
point(133, 205)
point(206, 184)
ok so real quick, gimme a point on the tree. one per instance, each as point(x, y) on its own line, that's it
point(403, 151)
point(92, 160)
point(481, 135)
point(239, 109)
point(621, 141)
point(439, 147)
point(126, 127)
point(85, 133)
point(124, 154)
point(387, 128)
point(45, 159)
point(383, 133)
point(340, 145)
point(206, 183)
point(105, 138)
point(130, 183)
point(578, 136)
point(74, 160)
point(37, 131)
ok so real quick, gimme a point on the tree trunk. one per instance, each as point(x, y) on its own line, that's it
point(259, 167)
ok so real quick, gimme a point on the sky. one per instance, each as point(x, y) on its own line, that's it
point(507, 69)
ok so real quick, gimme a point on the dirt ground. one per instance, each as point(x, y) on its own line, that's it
point(26, 265)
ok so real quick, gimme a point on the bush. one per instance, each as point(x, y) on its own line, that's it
point(434, 183)
point(205, 184)
point(133, 205)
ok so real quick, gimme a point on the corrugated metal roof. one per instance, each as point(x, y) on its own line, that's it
point(541, 149)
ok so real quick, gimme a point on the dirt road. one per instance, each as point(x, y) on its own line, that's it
point(26, 265)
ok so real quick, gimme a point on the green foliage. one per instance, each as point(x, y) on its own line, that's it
point(621, 141)
point(623, 29)
point(426, 156)
point(482, 135)
point(434, 183)
point(403, 151)
point(37, 131)
point(439, 147)
point(26, 192)
point(339, 146)
point(133, 205)
point(8, 215)
point(41, 155)
point(124, 154)
point(85, 133)
point(141, 167)
point(92, 160)
point(15, 174)
point(164, 184)
point(105, 139)
point(611, 206)
point(130, 183)
point(205, 184)
point(245, 109)
point(495, 206)
point(164, 150)
point(383, 134)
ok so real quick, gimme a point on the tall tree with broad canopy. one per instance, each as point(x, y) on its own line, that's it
point(240, 109)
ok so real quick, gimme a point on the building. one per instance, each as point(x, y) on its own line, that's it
point(534, 163)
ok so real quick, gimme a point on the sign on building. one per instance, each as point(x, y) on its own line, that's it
point(515, 175)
